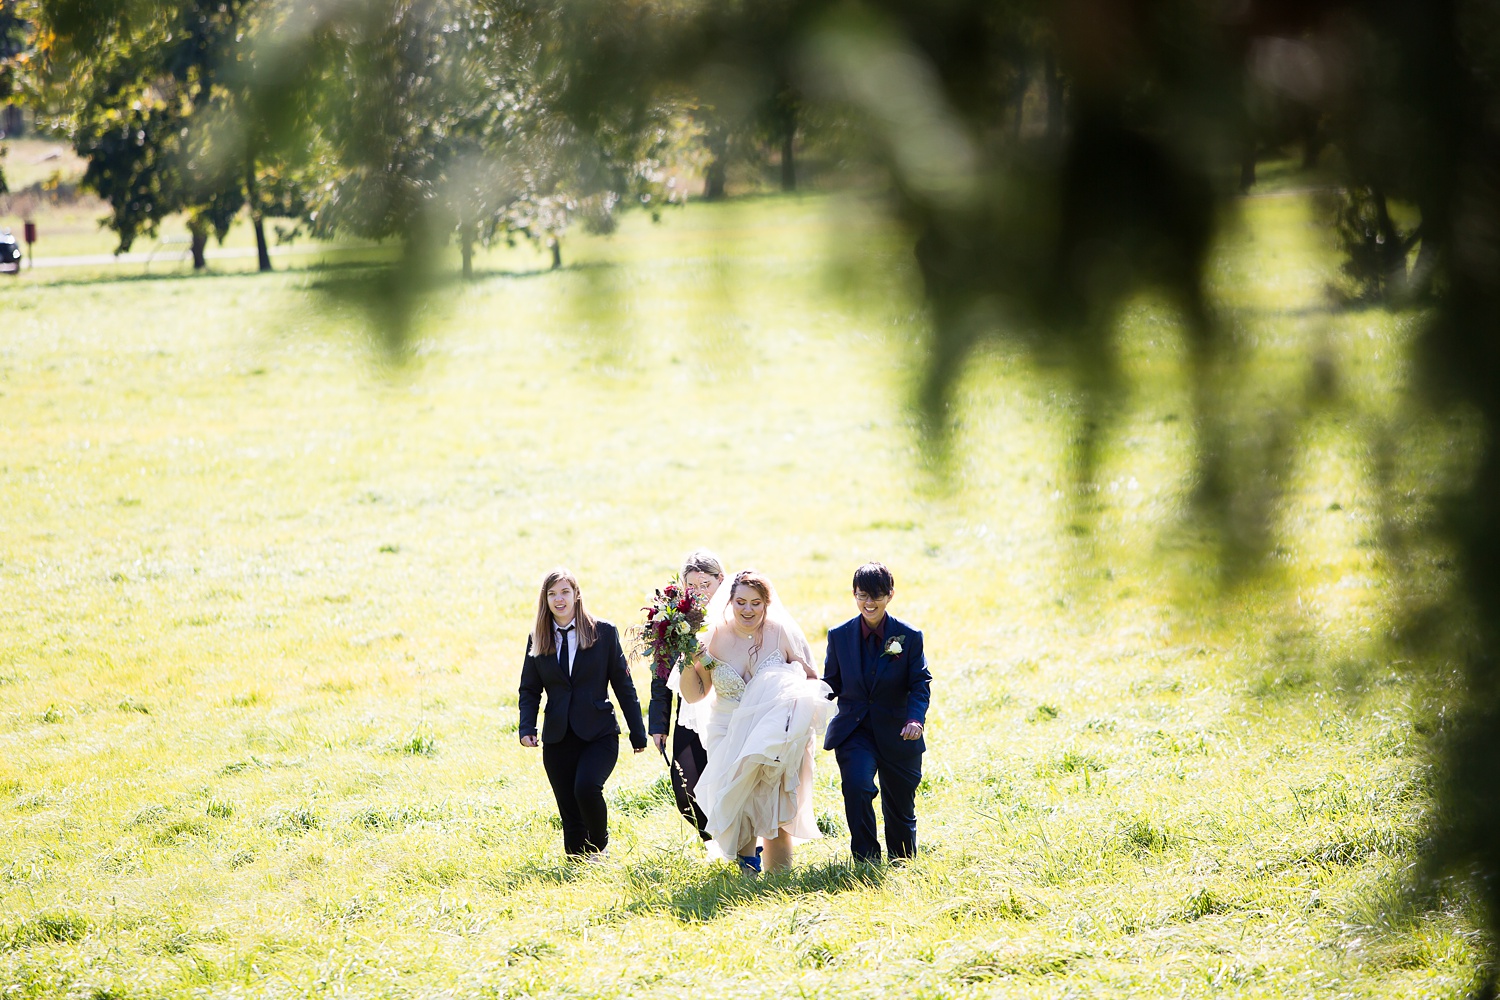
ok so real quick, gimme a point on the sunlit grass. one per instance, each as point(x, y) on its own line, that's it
point(266, 595)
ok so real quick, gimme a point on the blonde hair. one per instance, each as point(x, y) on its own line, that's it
point(543, 642)
point(703, 561)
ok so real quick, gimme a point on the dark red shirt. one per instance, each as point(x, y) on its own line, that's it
point(865, 631)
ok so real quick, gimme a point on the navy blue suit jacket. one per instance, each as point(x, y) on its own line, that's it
point(899, 693)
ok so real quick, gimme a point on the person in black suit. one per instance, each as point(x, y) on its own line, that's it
point(879, 677)
point(572, 656)
point(703, 574)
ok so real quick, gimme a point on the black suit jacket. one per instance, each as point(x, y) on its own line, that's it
point(582, 700)
point(899, 693)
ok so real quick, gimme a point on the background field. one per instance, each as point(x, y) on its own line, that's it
point(266, 593)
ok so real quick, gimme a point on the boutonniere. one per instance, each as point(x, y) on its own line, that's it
point(894, 645)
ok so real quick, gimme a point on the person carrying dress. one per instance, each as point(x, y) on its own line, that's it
point(574, 657)
point(703, 574)
point(876, 669)
point(764, 704)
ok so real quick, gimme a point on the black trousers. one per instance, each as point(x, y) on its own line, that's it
point(577, 770)
point(688, 761)
point(860, 763)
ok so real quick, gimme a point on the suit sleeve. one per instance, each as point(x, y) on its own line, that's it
point(530, 698)
point(831, 674)
point(921, 683)
point(620, 680)
point(660, 710)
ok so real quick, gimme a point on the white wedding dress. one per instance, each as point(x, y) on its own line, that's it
point(759, 737)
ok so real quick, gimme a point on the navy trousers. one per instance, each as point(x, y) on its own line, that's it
point(860, 764)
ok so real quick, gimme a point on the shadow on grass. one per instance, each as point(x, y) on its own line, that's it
point(688, 892)
point(375, 269)
point(99, 276)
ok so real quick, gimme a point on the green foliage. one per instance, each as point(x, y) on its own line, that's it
point(45, 928)
point(642, 801)
point(420, 743)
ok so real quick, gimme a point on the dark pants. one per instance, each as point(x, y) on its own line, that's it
point(860, 763)
point(688, 761)
point(577, 770)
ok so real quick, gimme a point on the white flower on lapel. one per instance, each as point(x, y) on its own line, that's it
point(893, 645)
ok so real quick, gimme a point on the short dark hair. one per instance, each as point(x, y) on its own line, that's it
point(874, 579)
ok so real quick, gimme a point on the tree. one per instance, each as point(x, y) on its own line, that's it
point(153, 96)
point(441, 120)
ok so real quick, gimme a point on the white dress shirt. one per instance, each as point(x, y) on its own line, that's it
point(557, 634)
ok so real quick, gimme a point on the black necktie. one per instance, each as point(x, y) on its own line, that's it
point(562, 649)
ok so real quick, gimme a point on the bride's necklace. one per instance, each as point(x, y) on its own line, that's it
point(754, 644)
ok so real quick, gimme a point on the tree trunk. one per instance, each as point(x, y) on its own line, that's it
point(717, 141)
point(1055, 97)
point(252, 201)
point(788, 154)
point(1394, 256)
point(466, 238)
point(1018, 98)
point(1424, 268)
point(556, 245)
point(1313, 142)
point(199, 233)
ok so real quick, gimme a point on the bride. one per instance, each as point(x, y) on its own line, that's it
point(757, 701)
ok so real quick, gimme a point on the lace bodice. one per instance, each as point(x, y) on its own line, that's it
point(727, 680)
point(728, 683)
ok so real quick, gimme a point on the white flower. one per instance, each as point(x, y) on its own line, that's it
point(682, 628)
point(894, 647)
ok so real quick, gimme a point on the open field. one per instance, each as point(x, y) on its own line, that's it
point(266, 594)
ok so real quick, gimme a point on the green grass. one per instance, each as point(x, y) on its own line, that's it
point(266, 596)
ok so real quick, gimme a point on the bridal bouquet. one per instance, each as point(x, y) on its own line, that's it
point(674, 617)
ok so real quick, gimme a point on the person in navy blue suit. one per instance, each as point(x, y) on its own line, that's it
point(880, 680)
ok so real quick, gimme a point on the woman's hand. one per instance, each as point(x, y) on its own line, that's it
point(660, 739)
point(912, 731)
point(528, 741)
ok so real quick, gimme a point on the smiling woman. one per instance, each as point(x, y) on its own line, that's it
point(572, 656)
point(767, 703)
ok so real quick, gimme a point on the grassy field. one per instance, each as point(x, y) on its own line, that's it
point(266, 594)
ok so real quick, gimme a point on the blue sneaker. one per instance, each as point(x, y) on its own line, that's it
point(750, 862)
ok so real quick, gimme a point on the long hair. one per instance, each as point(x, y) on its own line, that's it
point(542, 641)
